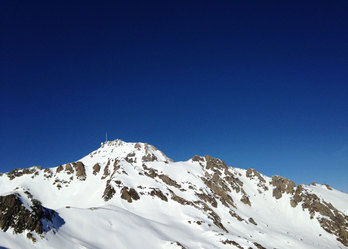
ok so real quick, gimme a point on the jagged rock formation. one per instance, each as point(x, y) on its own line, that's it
point(29, 215)
point(122, 186)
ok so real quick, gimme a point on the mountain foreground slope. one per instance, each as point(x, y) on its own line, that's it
point(131, 195)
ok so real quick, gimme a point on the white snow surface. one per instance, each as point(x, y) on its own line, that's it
point(150, 222)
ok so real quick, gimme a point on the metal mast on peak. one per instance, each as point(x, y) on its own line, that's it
point(106, 136)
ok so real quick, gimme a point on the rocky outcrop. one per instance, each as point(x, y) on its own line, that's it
point(258, 246)
point(131, 157)
point(245, 199)
point(282, 185)
point(149, 171)
point(149, 158)
point(208, 199)
point(252, 221)
point(69, 169)
point(197, 158)
point(157, 192)
point(231, 242)
point(96, 169)
point(59, 169)
point(169, 181)
point(106, 171)
point(253, 174)
point(80, 170)
point(297, 197)
point(331, 220)
point(18, 216)
point(20, 172)
point(108, 192)
point(129, 194)
point(215, 163)
point(219, 189)
point(48, 173)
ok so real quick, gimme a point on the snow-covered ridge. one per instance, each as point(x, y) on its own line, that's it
point(133, 196)
point(118, 149)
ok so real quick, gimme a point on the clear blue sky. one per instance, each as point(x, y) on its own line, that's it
point(261, 84)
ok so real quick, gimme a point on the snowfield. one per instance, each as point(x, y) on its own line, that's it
point(131, 195)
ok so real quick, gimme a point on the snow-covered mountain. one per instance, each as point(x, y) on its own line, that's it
point(131, 195)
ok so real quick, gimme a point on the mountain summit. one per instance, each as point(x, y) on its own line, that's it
point(131, 195)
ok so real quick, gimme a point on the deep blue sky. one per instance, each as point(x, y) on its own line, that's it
point(260, 84)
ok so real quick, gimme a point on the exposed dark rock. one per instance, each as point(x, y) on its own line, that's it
point(297, 197)
point(157, 192)
point(178, 244)
point(133, 194)
point(251, 220)
point(215, 163)
point(149, 158)
point(282, 185)
point(235, 183)
point(69, 169)
point(28, 194)
point(197, 158)
point(259, 246)
point(235, 215)
point(108, 192)
point(211, 215)
point(169, 181)
point(219, 181)
point(129, 158)
point(231, 242)
point(332, 220)
point(59, 169)
point(106, 170)
point(202, 206)
point(14, 214)
point(245, 200)
point(20, 172)
point(219, 190)
point(253, 174)
point(207, 198)
point(125, 195)
point(130, 194)
point(31, 237)
point(179, 199)
point(116, 166)
point(328, 186)
point(96, 169)
point(48, 172)
point(80, 170)
point(150, 172)
point(131, 154)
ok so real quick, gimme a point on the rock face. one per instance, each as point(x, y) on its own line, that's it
point(20, 172)
point(129, 194)
point(282, 185)
point(80, 170)
point(14, 214)
point(224, 206)
point(96, 169)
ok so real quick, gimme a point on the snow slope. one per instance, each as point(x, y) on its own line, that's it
point(130, 195)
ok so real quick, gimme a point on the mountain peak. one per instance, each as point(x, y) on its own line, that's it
point(124, 185)
point(134, 152)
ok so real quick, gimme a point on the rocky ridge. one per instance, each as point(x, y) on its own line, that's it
point(131, 174)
